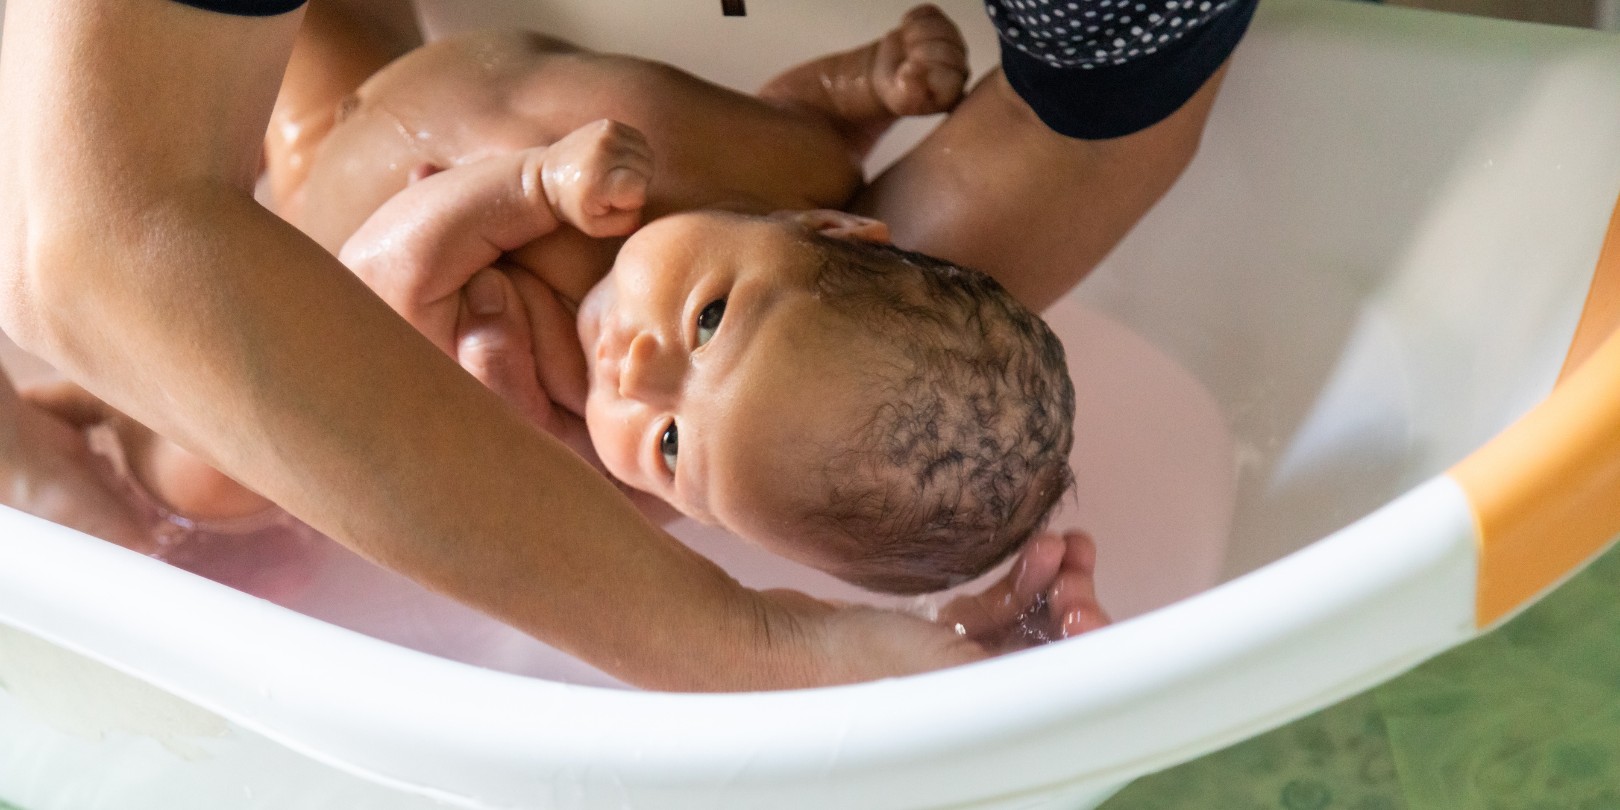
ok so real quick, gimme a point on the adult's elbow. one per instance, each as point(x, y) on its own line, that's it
point(32, 283)
point(21, 316)
point(54, 272)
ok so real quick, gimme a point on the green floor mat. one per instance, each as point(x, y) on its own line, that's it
point(1526, 718)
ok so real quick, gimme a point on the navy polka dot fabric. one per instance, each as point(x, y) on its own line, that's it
point(1088, 33)
point(246, 8)
point(1099, 69)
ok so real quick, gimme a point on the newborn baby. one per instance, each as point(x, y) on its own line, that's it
point(749, 357)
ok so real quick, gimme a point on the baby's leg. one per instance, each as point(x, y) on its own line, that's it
point(919, 68)
point(48, 469)
point(181, 482)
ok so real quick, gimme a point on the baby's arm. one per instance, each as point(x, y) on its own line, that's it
point(340, 44)
point(422, 247)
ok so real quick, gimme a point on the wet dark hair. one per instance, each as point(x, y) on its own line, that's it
point(967, 453)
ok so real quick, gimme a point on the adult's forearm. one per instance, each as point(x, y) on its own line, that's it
point(1035, 209)
point(268, 360)
point(137, 261)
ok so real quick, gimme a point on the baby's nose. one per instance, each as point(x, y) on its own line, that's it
point(651, 372)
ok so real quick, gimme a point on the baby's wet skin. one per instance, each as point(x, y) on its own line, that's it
point(918, 68)
point(462, 99)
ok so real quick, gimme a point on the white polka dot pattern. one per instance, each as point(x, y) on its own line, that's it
point(1090, 33)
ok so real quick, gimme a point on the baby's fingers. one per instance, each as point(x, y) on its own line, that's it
point(597, 178)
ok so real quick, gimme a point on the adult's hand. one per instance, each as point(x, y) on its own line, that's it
point(1050, 594)
point(524, 348)
point(853, 643)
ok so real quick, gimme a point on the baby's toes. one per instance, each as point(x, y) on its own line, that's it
point(930, 64)
point(934, 42)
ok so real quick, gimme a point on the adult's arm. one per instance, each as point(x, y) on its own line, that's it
point(136, 260)
point(993, 187)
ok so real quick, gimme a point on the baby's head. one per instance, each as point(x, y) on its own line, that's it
point(897, 421)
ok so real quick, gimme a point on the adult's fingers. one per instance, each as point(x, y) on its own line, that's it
point(998, 610)
point(1049, 594)
point(495, 344)
point(1073, 594)
point(422, 246)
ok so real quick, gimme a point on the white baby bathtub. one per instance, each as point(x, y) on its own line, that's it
point(1304, 385)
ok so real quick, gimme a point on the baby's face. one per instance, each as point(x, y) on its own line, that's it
point(718, 381)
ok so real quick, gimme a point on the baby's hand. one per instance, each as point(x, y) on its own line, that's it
point(596, 178)
point(425, 243)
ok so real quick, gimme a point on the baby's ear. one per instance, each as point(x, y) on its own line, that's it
point(839, 224)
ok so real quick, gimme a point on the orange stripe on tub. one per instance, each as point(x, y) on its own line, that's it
point(1601, 315)
point(1546, 491)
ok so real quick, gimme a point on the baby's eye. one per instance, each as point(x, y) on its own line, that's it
point(668, 445)
point(709, 320)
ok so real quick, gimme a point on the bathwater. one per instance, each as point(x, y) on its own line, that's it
point(1155, 483)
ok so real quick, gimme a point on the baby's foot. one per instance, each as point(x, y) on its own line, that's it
point(919, 68)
